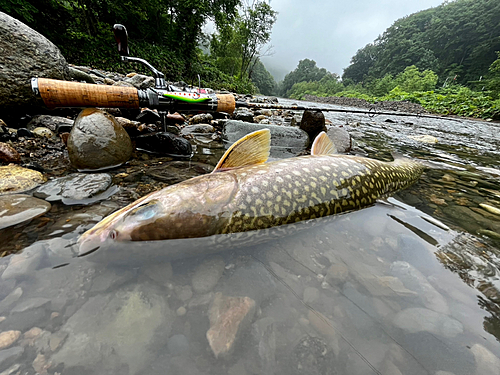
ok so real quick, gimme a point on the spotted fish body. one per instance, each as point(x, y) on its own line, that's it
point(310, 187)
point(241, 198)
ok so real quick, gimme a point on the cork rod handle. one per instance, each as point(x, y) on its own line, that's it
point(56, 94)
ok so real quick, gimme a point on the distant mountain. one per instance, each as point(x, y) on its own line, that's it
point(456, 39)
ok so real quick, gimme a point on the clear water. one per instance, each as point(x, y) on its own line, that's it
point(404, 287)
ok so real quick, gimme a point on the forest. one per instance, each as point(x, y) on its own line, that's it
point(445, 58)
point(167, 33)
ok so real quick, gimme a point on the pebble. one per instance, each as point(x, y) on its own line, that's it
point(181, 311)
point(43, 133)
point(76, 188)
point(8, 356)
point(19, 208)
point(8, 154)
point(15, 179)
point(490, 208)
point(424, 138)
point(418, 319)
point(229, 316)
point(207, 274)
point(8, 338)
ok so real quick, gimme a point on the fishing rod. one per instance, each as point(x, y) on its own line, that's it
point(163, 97)
point(372, 112)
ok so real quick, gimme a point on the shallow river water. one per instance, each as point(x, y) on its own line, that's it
point(407, 286)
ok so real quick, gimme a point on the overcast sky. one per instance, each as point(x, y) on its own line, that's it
point(331, 31)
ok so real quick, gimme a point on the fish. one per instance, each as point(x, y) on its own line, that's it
point(246, 194)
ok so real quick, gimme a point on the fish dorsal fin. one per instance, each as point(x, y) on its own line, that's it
point(251, 149)
point(323, 145)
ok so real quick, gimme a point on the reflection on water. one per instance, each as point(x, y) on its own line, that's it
point(397, 288)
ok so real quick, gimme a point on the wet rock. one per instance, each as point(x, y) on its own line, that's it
point(15, 179)
point(25, 54)
point(264, 334)
point(184, 292)
point(424, 138)
point(23, 264)
point(148, 116)
point(81, 74)
point(174, 118)
point(77, 188)
point(161, 273)
point(43, 133)
point(418, 319)
point(181, 311)
point(40, 364)
point(258, 119)
point(177, 345)
point(229, 317)
point(8, 154)
point(97, 141)
point(8, 338)
point(486, 361)
point(19, 208)
point(10, 299)
point(197, 129)
point(312, 356)
point(313, 123)
point(31, 312)
point(23, 132)
point(337, 274)
point(490, 208)
point(9, 356)
point(201, 118)
point(415, 281)
point(340, 138)
point(285, 141)
point(56, 339)
point(53, 123)
point(311, 295)
point(164, 144)
point(141, 81)
point(120, 326)
point(243, 114)
point(207, 274)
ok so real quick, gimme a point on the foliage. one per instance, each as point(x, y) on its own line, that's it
point(263, 79)
point(165, 32)
point(457, 38)
point(238, 44)
point(492, 81)
point(306, 71)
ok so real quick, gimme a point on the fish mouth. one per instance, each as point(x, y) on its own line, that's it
point(83, 253)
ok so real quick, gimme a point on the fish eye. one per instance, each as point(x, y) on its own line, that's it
point(113, 234)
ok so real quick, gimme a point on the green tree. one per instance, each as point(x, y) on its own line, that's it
point(493, 77)
point(411, 79)
point(306, 71)
point(263, 79)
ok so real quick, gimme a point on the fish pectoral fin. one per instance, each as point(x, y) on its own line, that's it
point(251, 149)
point(323, 145)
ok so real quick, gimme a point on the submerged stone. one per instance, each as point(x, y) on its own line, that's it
point(163, 143)
point(15, 179)
point(418, 319)
point(228, 316)
point(18, 208)
point(313, 123)
point(77, 188)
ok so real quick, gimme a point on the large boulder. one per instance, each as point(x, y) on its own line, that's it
point(24, 54)
point(97, 141)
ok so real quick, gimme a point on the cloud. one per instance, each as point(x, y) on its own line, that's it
point(331, 31)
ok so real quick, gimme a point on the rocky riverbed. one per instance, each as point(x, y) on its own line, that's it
point(409, 286)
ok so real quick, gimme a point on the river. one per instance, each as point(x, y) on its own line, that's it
point(407, 286)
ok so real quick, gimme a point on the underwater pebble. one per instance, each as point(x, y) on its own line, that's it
point(19, 208)
point(8, 338)
point(181, 311)
point(228, 316)
point(207, 274)
point(418, 319)
point(490, 208)
point(486, 361)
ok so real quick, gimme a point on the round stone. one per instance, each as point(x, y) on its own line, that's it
point(15, 179)
point(18, 208)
